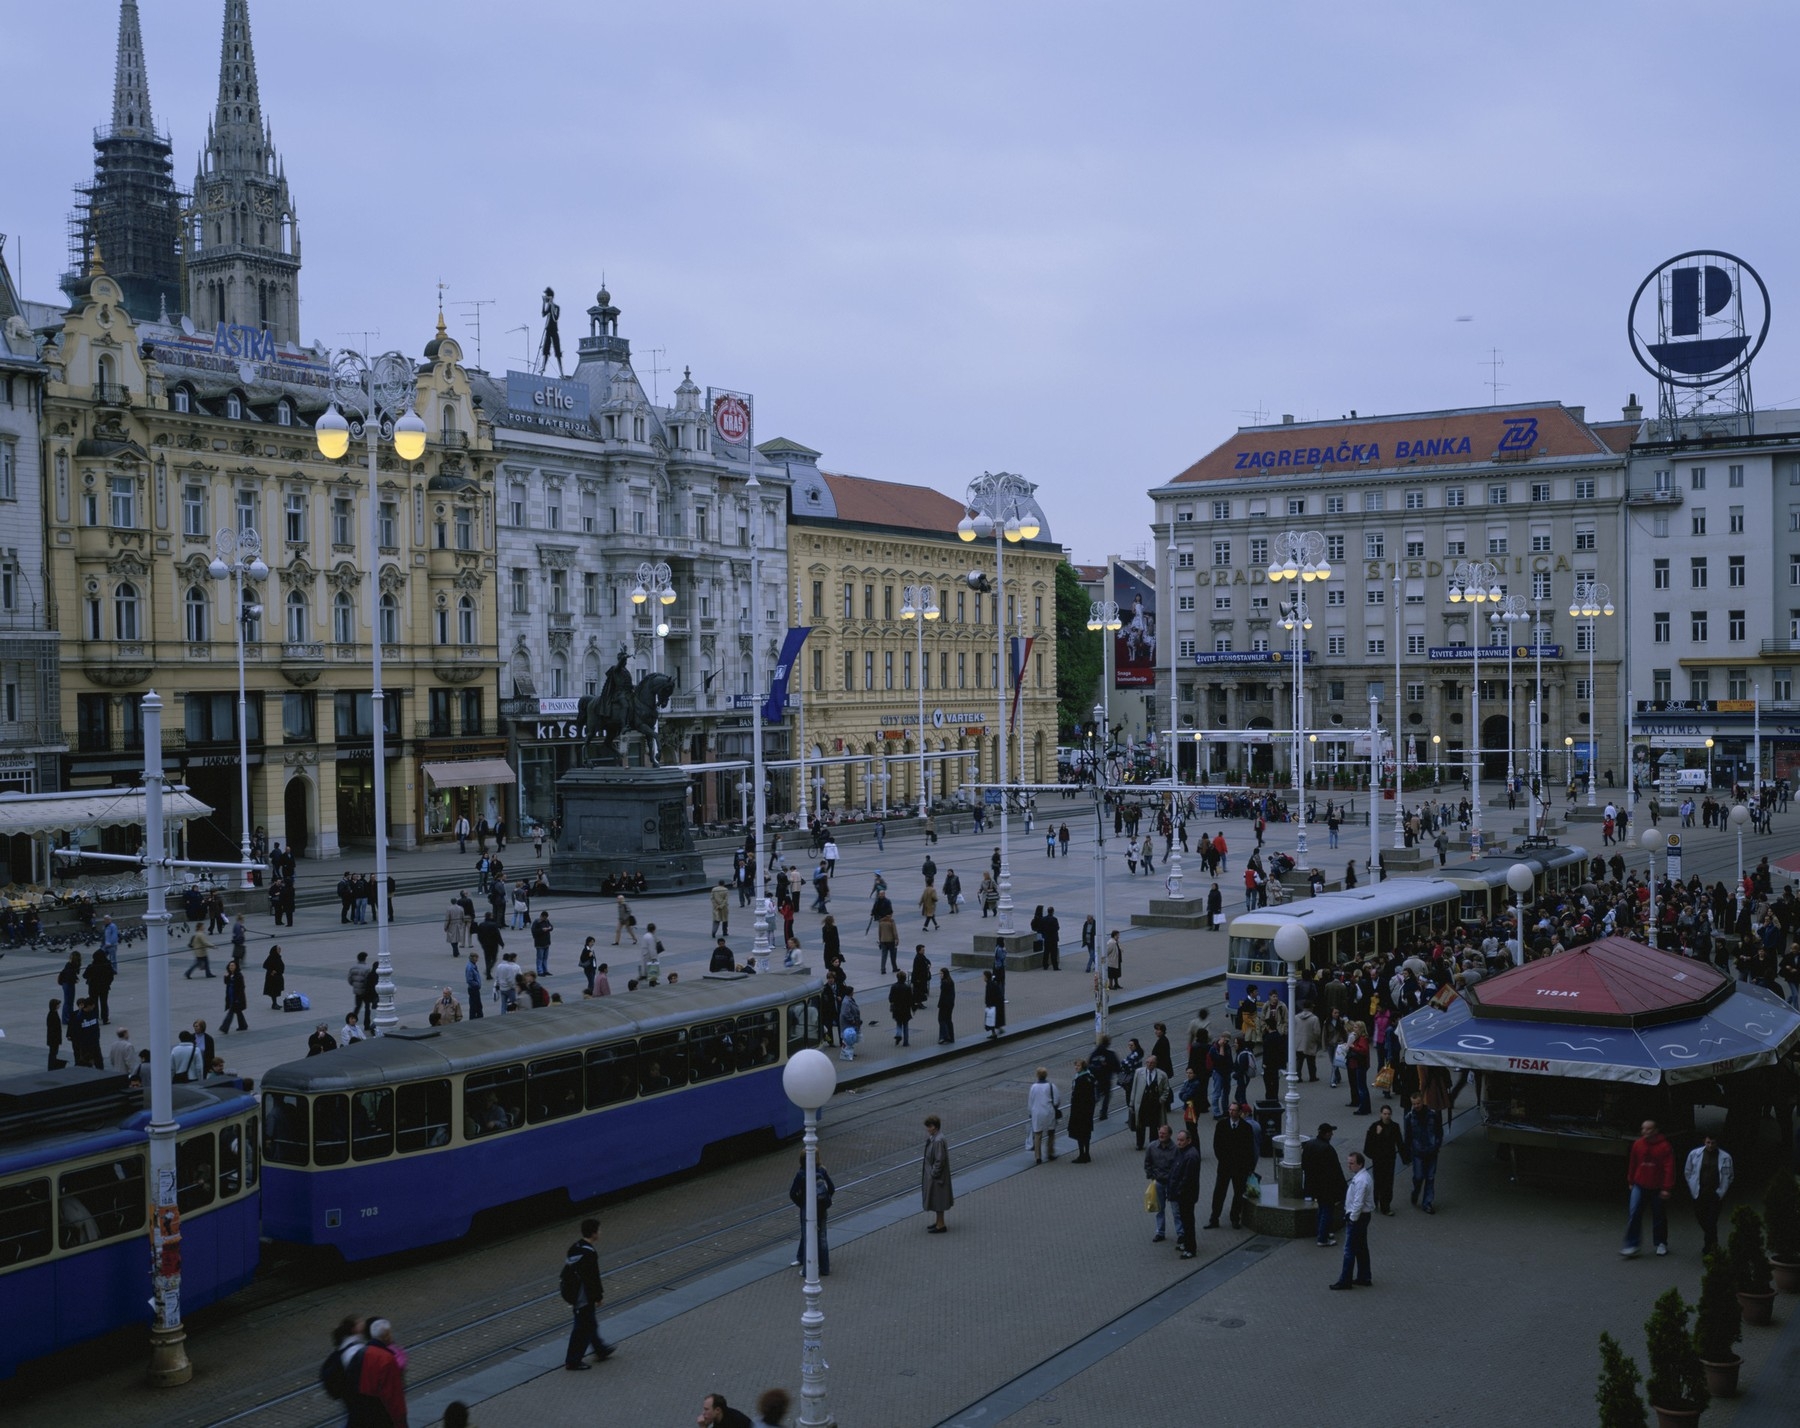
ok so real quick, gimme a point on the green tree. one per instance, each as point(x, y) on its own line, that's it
point(1620, 1406)
point(1078, 654)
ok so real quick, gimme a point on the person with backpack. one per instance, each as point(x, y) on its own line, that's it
point(849, 1023)
point(825, 1189)
point(583, 1293)
point(365, 1377)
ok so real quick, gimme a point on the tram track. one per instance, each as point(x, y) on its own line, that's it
point(872, 1136)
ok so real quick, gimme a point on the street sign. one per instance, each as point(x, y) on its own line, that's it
point(1674, 846)
point(750, 701)
point(991, 797)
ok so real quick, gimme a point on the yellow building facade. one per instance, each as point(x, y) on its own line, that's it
point(159, 436)
point(855, 547)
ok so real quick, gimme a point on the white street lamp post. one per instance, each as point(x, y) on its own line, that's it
point(1300, 556)
point(1173, 882)
point(759, 942)
point(1374, 785)
point(1437, 741)
point(377, 392)
point(1292, 943)
point(917, 603)
point(1739, 816)
point(1593, 599)
point(1568, 758)
point(1651, 841)
point(1296, 620)
point(1519, 878)
point(1509, 611)
point(1474, 581)
point(238, 554)
point(655, 582)
point(809, 1078)
point(999, 504)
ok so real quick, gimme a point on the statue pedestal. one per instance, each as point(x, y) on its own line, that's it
point(617, 821)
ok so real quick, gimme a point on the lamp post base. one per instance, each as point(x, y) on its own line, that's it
point(169, 1364)
point(1284, 1218)
point(1185, 913)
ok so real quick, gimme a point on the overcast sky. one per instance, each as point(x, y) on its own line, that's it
point(1078, 241)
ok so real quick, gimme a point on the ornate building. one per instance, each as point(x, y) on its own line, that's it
point(31, 738)
point(854, 547)
point(594, 481)
point(243, 261)
point(155, 439)
point(132, 209)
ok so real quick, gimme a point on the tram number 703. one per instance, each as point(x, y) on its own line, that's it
point(371, 1211)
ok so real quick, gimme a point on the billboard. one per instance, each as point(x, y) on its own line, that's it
point(1134, 646)
point(732, 415)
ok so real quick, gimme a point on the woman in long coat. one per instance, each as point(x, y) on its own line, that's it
point(1081, 1109)
point(934, 1175)
point(921, 979)
point(456, 929)
point(236, 995)
point(274, 977)
point(946, 1008)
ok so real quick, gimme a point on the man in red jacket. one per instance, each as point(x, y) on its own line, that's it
point(1650, 1175)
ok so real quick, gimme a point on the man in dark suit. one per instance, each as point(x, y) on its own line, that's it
point(1234, 1157)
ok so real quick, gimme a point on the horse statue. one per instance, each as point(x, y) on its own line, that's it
point(623, 707)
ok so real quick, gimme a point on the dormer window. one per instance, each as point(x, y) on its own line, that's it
point(284, 412)
point(181, 400)
point(234, 407)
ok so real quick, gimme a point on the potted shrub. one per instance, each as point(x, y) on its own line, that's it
point(1750, 1265)
point(1718, 1325)
point(1781, 1209)
point(1620, 1406)
point(1677, 1385)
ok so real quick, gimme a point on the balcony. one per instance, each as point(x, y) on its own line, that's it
point(112, 394)
point(1653, 498)
point(312, 653)
point(452, 441)
point(123, 741)
point(23, 733)
point(1789, 646)
point(561, 620)
point(456, 729)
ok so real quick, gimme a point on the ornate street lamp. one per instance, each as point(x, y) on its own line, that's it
point(1474, 582)
point(1297, 620)
point(918, 604)
point(378, 395)
point(1520, 879)
point(1593, 598)
point(655, 582)
point(809, 1078)
point(1509, 610)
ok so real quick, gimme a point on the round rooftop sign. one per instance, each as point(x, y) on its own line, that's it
point(1699, 318)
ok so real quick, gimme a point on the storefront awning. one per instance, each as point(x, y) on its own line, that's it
point(43, 814)
point(470, 773)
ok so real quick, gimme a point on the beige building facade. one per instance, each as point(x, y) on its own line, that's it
point(855, 548)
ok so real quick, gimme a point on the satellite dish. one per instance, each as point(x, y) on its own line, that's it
point(187, 324)
point(246, 373)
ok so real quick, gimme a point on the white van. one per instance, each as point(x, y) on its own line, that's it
point(1690, 778)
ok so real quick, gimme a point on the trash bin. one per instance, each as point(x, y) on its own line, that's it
point(1268, 1122)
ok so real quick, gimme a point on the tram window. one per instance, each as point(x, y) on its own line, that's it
point(372, 1124)
point(802, 1024)
point(1403, 923)
point(493, 1101)
point(24, 1221)
point(285, 1130)
point(1253, 956)
point(423, 1112)
point(252, 1165)
point(611, 1074)
point(1474, 907)
point(331, 1130)
point(663, 1061)
point(231, 1160)
point(1345, 938)
point(1318, 951)
point(1365, 940)
point(714, 1050)
point(553, 1087)
point(1440, 916)
point(756, 1044)
point(1385, 935)
point(194, 1173)
point(101, 1202)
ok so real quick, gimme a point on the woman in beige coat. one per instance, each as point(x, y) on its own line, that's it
point(457, 929)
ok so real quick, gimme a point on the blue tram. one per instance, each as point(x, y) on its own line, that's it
point(74, 1198)
point(397, 1142)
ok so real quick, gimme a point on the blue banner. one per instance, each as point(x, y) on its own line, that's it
point(778, 688)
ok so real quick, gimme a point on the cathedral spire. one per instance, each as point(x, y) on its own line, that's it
point(239, 104)
point(131, 80)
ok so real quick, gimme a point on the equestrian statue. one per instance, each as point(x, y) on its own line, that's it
point(622, 707)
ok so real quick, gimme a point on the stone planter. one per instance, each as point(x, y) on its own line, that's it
point(1758, 1308)
point(1787, 1276)
point(1722, 1379)
point(1675, 1417)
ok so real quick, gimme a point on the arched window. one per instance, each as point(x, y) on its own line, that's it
point(343, 619)
point(449, 421)
point(390, 620)
point(284, 412)
point(234, 407)
point(103, 374)
point(441, 619)
point(590, 675)
point(559, 677)
point(299, 623)
point(251, 614)
point(125, 611)
point(465, 621)
point(194, 607)
point(180, 400)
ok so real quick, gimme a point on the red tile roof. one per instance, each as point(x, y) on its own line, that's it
point(1618, 435)
point(892, 503)
point(1090, 574)
point(1399, 443)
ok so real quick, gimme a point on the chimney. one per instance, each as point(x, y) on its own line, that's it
point(1579, 413)
point(1287, 418)
point(1633, 412)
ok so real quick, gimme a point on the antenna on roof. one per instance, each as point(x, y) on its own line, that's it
point(474, 320)
point(654, 368)
point(1493, 363)
point(1258, 415)
point(526, 329)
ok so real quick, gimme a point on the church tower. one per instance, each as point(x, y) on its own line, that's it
point(132, 209)
point(244, 254)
